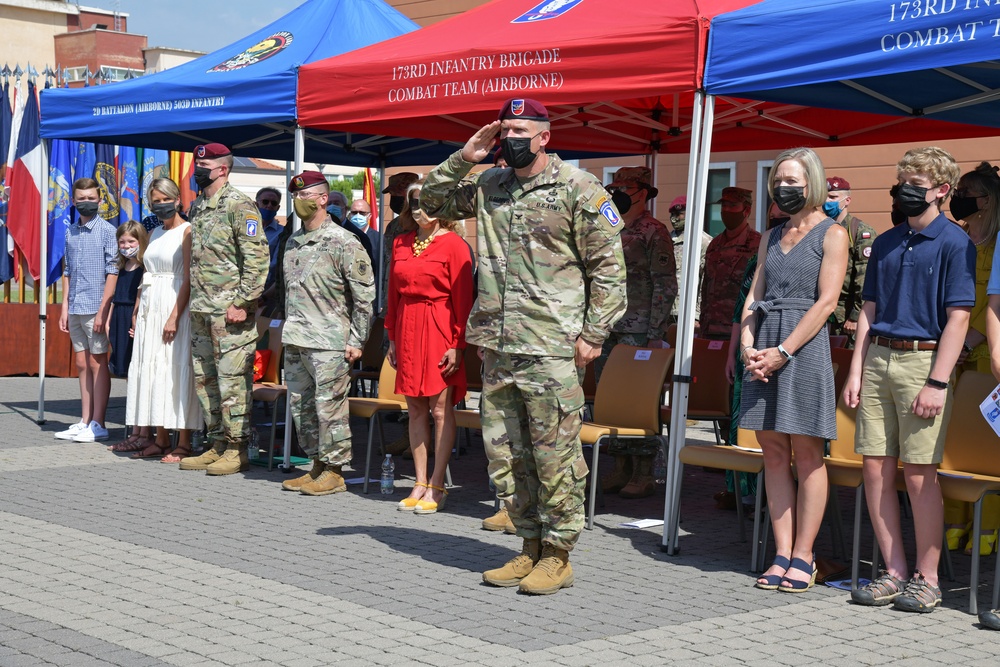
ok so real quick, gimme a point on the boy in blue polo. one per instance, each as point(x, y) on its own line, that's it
point(90, 272)
point(917, 297)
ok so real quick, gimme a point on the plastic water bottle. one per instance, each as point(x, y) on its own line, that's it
point(253, 446)
point(660, 467)
point(388, 475)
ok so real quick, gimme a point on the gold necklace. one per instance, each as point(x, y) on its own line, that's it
point(420, 246)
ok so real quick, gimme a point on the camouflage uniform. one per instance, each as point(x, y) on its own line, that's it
point(565, 280)
point(330, 288)
point(678, 240)
point(725, 261)
point(652, 288)
point(229, 263)
point(861, 236)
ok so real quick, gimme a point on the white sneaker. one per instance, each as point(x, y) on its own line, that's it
point(72, 431)
point(92, 433)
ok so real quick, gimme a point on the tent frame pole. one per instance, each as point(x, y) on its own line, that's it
point(41, 287)
point(700, 154)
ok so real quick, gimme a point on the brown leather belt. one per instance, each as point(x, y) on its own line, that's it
point(908, 345)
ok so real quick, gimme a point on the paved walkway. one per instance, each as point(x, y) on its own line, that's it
point(108, 561)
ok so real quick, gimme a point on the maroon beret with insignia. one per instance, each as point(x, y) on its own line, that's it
point(211, 151)
point(306, 179)
point(524, 109)
point(835, 183)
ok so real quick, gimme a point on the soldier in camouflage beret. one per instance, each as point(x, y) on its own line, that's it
point(229, 263)
point(551, 285)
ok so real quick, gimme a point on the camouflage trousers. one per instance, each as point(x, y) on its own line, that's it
point(318, 382)
point(626, 446)
point(531, 419)
point(223, 371)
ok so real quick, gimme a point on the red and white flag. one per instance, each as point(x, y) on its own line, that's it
point(25, 179)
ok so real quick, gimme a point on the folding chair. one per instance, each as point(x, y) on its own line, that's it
point(370, 362)
point(708, 397)
point(627, 404)
point(270, 389)
point(372, 409)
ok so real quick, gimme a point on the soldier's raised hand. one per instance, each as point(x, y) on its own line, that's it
point(479, 147)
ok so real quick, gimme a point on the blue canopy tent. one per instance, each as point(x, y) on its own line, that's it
point(897, 71)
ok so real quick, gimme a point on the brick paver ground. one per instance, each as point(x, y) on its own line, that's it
point(108, 561)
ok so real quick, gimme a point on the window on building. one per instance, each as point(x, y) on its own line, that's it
point(720, 175)
point(75, 74)
point(761, 199)
point(118, 73)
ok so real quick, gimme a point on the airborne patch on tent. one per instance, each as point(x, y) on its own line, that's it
point(549, 9)
point(262, 50)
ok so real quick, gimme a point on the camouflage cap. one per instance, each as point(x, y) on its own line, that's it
point(399, 182)
point(837, 183)
point(634, 175)
point(737, 195)
point(524, 109)
point(306, 179)
point(211, 151)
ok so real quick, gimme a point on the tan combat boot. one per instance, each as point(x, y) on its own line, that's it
point(616, 480)
point(398, 446)
point(203, 460)
point(233, 461)
point(551, 573)
point(329, 481)
point(500, 520)
point(642, 484)
point(517, 567)
point(297, 483)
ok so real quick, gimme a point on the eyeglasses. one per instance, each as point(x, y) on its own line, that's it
point(364, 213)
point(305, 194)
point(269, 203)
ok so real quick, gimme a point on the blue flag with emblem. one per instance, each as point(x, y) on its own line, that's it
point(106, 175)
point(128, 186)
point(60, 214)
point(83, 164)
point(155, 164)
point(6, 123)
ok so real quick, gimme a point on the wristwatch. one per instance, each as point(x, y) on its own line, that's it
point(784, 352)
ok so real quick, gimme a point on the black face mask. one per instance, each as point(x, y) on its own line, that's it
point(396, 203)
point(203, 177)
point(517, 151)
point(164, 210)
point(912, 200)
point(622, 201)
point(963, 207)
point(790, 199)
point(87, 209)
point(895, 214)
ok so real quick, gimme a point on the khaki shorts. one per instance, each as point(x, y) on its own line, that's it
point(81, 333)
point(886, 424)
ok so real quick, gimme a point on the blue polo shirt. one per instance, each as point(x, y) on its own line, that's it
point(913, 277)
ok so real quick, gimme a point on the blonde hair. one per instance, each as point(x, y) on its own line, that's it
point(816, 191)
point(164, 186)
point(936, 162)
point(985, 179)
point(136, 231)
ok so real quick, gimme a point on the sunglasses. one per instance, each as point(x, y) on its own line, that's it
point(270, 203)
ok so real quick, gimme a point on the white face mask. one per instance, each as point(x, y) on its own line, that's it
point(129, 253)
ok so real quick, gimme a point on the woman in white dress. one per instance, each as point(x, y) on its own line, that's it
point(161, 378)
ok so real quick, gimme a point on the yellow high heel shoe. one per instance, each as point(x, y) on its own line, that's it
point(956, 534)
point(987, 543)
point(429, 506)
point(408, 504)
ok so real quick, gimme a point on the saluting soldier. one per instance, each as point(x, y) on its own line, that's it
point(652, 288)
point(328, 301)
point(551, 285)
point(861, 236)
point(229, 263)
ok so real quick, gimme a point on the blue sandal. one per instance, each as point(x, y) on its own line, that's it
point(770, 582)
point(792, 586)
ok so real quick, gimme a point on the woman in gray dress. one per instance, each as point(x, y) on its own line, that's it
point(788, 393)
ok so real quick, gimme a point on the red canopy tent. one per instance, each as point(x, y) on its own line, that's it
point(615, 79)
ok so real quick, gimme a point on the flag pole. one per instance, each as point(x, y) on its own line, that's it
point(41, 286)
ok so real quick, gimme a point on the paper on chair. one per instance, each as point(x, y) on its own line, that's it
point(755, 450)
point(990, 407)
point(643, 355)
point(355, 480)
point(276, 323)
point(642, 523)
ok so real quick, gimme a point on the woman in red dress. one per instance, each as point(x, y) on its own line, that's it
point(429, 300)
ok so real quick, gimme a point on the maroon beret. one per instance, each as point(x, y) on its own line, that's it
point(306, 179)
point(837, 183)
point(211, 151)
point(524, 109)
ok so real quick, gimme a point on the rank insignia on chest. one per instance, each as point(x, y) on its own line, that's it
point(608, 211)
point(251, 228)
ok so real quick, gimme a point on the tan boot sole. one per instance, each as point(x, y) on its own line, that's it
point(325, 492)
point(566, 583)
point(243, 467)
point(502, 583)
